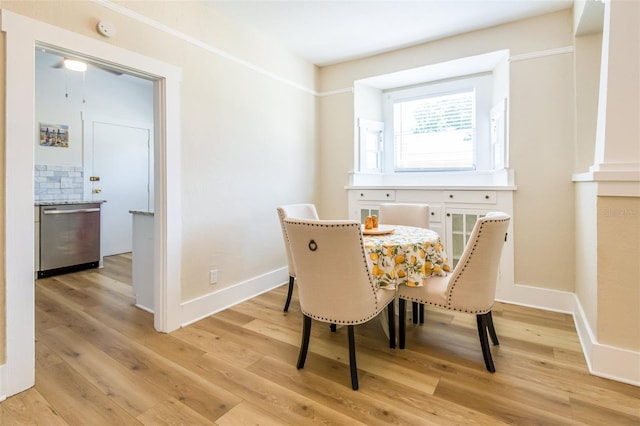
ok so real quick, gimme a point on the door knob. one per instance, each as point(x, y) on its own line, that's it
point(97, 191)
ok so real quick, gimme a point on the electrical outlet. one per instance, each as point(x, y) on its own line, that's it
point(213, 276)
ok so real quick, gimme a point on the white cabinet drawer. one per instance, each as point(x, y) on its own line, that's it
point(435, 214)
point(376, 194)
point(475, 197)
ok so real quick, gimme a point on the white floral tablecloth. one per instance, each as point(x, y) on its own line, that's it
point(406, 256)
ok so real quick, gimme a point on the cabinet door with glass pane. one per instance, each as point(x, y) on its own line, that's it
point(459, 225)
point(368, 211)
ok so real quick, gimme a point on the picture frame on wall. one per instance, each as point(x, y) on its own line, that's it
point(54, 135)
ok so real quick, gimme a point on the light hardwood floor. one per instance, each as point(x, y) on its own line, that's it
point(99, 362)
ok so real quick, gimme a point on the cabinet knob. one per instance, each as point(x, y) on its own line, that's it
point(433, 214)
point(448, 214)
point(450, 195)
point(388, 195)
point(486, 197)
point(361, 194)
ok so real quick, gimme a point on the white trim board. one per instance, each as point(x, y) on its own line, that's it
point(602, 360)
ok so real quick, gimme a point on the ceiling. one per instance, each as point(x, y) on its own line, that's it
point(48, 58)
point(326, 32)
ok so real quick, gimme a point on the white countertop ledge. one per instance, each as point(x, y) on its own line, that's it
point(67, 202)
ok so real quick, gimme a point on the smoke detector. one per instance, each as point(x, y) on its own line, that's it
point(106, 29)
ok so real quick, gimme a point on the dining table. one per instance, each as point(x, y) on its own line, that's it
point(404, 255)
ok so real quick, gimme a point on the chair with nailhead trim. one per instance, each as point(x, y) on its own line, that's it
point(334, 281)
point(298, 211)
point(407, 214)
point(471, 286)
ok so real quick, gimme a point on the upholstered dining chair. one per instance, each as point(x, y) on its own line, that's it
point(471, 286)
point(299, 211)
point(408, 214)
point(334, 281)
point(404, 214)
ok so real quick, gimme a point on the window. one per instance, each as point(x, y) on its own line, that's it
point(437, 124)
point(441, 126)
point(434, 132)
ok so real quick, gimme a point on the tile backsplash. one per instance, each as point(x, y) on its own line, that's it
point(54, 183)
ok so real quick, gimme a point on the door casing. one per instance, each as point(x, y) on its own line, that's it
point(22, 36)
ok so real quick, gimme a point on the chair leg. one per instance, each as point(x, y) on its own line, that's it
point(402, 307)
point(392, 324)
point(414, 311)
point(421, 308)
point(333, 328)
point(352, 358)
point(484, 342)
point(304, 345)
point(492, 330)
point(289, 293)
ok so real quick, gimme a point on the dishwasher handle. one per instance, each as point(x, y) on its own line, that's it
point(96, 209)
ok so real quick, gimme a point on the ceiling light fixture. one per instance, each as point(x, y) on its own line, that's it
point(74, 65)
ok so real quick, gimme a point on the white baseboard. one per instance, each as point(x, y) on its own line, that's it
point(537, 297)
point(201, 307)
point(606, 361)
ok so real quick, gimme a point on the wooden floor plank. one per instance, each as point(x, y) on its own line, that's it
point(221, 348)
point(370, 408)
point(80, 402)
point(245, 414)
point(114, 380)
point(29, 408)
point(99, 361)
point(507, 410)
point(270, 396)
point(172, 412)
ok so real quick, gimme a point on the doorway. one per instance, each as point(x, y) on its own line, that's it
point(108, 155)
point(22, 36)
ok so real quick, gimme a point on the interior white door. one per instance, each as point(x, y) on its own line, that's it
point(121, 161)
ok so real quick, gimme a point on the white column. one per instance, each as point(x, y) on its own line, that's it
point(617, 151)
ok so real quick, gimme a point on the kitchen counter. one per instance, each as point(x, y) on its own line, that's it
point(67, 202)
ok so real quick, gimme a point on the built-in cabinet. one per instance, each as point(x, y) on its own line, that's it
point(452, 214)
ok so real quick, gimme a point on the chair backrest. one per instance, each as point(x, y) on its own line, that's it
point(334, 282)
point(472, 285)
point(298, 211)
point(404, 214)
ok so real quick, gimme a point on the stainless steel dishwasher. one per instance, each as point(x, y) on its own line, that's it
point(69, 238)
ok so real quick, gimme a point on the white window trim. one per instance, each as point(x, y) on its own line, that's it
point(482, 133)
